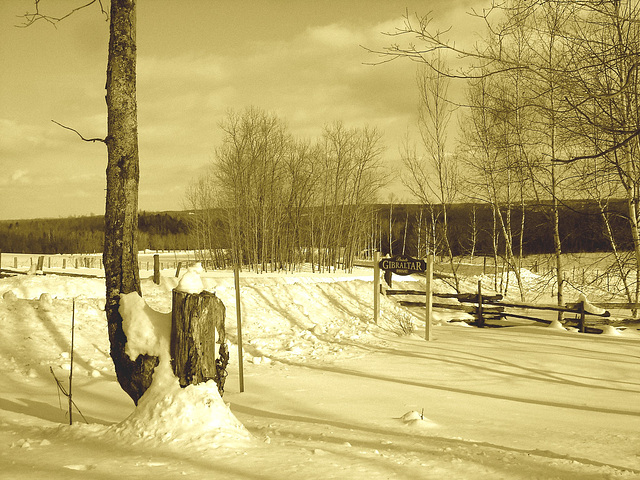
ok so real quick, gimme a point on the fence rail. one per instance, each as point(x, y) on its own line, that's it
point(492, 307)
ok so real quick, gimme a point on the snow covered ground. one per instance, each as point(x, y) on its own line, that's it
point(327, 394)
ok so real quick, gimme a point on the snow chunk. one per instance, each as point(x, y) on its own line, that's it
point(9, 296)
point(556, 325)
point(80, 467)
point(589, 307)
point(610, 330)
point(46, 300)
point(191, 282)
point(148, 332)
point(412, 415)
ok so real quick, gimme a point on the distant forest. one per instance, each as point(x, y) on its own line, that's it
point(85, 234)
point(582, 230)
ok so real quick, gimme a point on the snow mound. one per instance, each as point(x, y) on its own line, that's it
point(192, 417)
point(611, 330)
point(33, 286)
point(556, 325)
point(417, 420)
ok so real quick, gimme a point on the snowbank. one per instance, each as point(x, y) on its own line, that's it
point(326, 389)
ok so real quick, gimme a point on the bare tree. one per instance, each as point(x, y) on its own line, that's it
point(433, 176)
point(349, 178)
point(250, 169)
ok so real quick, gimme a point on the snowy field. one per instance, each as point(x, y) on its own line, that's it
point(328, 394)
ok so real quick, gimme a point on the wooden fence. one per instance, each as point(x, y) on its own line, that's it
point(59, 265)
point(493, 308)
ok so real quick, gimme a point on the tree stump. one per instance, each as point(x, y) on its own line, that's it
point(197, 327)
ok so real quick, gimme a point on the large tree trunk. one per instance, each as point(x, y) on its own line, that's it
point(121, 213)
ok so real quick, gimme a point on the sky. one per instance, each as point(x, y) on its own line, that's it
point(197, 60)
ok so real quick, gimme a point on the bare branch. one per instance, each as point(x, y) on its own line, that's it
point(30, 18)
point(103, 140)
point(607, 151)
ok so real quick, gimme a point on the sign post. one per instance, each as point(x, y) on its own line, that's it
point(376, 286)
point(403, 265)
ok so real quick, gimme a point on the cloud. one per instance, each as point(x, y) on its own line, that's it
point(20, 176)
point(17, 137)
point(334, 35)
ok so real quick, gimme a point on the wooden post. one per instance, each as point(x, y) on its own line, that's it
point(429, 300)
point(64, 263)
point(178, 269)
point(197, 320)
point(480, 316)
point(582, 316)
point(15, 262)
point(156, 269)
point(376, 286)
point(40, 265)
point(236, 280)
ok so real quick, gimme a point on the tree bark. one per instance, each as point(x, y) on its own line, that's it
point(197, 326)
point(121, 213)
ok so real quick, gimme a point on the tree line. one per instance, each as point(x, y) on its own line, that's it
point(85, 234)
point(391, 229)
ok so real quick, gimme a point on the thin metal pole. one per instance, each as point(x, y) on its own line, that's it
point(429, 300)
point(73, 328)
point(236, 277)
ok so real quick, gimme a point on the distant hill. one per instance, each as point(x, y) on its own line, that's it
point(581, 228)
point(85, 234)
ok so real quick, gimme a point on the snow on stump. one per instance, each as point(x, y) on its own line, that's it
point(197, 327)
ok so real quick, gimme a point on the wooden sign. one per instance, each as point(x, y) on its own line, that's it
point(403, 265)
